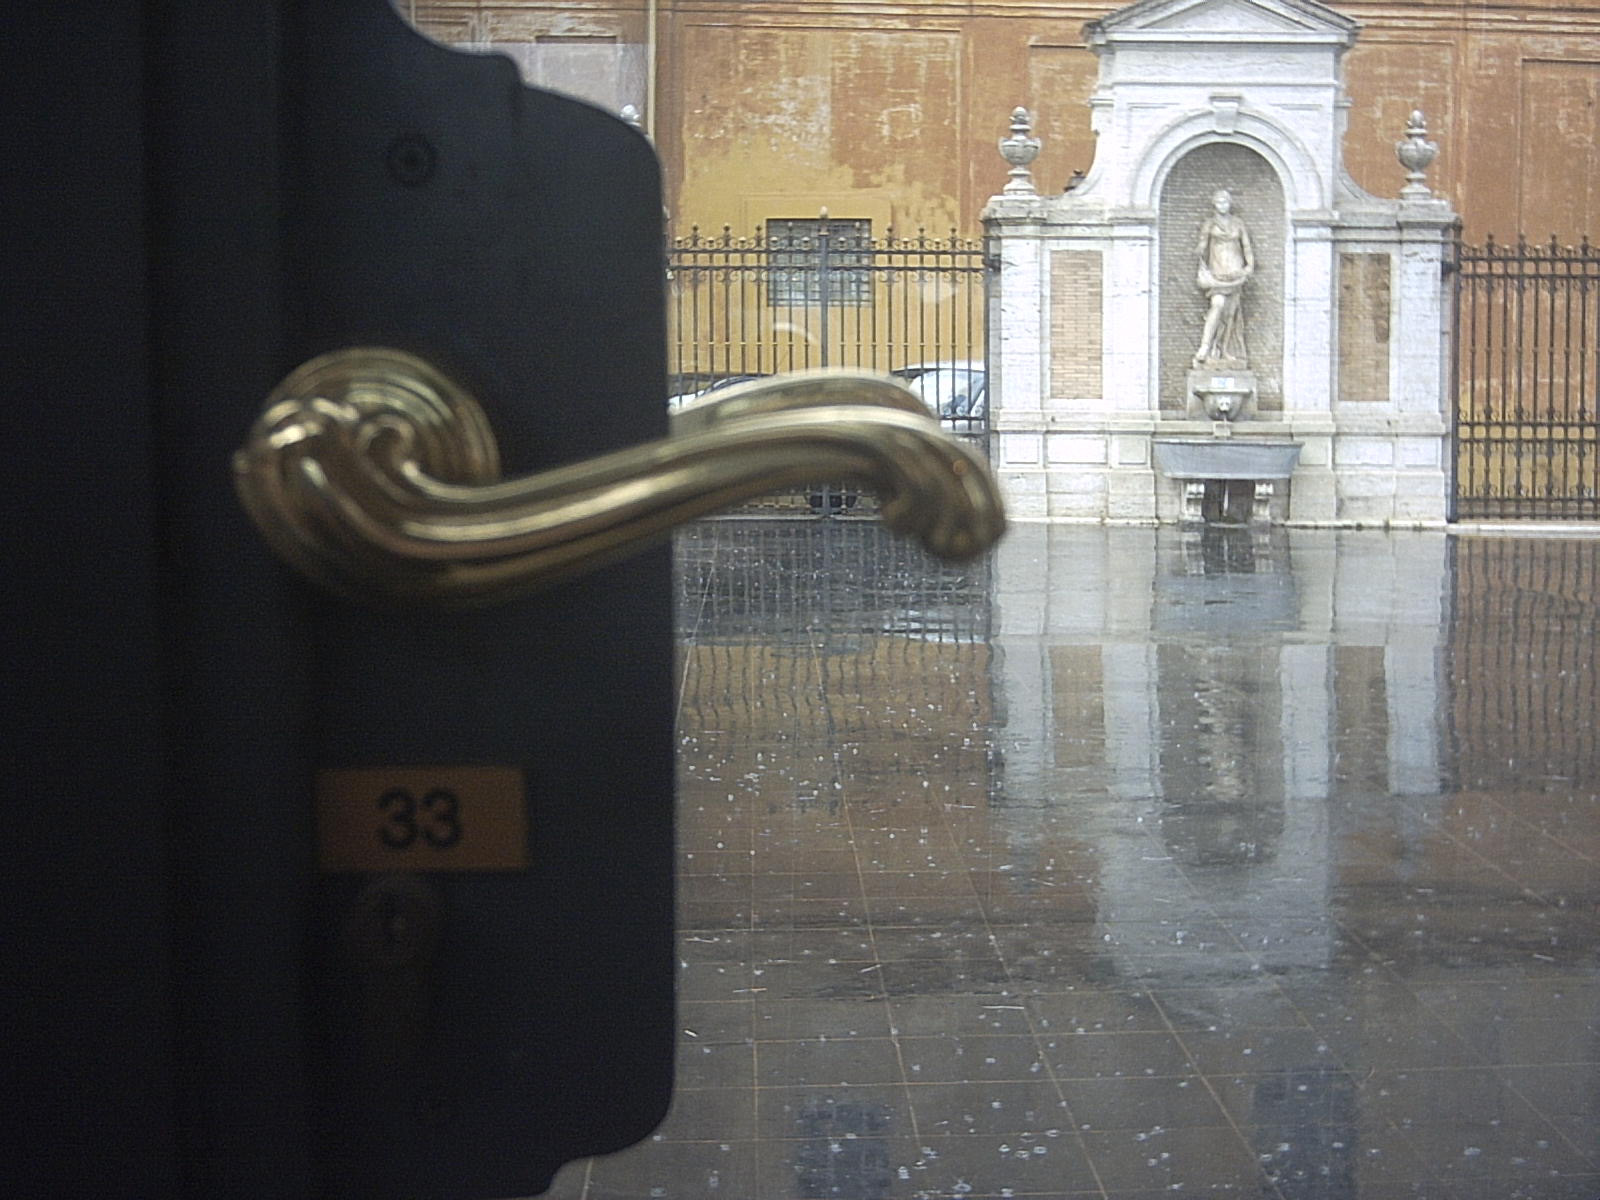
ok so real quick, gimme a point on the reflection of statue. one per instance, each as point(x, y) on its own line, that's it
point(1226, 261)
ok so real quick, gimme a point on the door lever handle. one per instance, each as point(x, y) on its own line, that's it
point(379, 478)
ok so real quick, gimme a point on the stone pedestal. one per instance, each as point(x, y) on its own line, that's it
point(1235, 501)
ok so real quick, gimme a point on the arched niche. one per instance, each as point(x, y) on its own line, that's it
point(1182, 207)
point(1308, 180)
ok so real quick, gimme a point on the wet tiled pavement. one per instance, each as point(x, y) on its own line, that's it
point(1133, 862)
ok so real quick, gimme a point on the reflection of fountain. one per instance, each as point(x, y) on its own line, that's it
point(1223, 804)
point(1176, 707)
point(1222, 781)
point(1223, 784)
point(1232, 583)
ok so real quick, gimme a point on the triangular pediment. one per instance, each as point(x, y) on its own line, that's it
point(1293, 19)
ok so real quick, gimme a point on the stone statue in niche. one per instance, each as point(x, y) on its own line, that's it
point(1226, 262)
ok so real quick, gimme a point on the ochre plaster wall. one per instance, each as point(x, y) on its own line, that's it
point(890, 109)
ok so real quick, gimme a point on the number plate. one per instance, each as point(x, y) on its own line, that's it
point(422, 819)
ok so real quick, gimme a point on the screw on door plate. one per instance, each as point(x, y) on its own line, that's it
point(393, 923)
point(411, 160)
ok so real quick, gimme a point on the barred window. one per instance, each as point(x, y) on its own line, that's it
point(819, 260)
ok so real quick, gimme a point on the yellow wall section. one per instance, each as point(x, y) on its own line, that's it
point(824, 115)
point(895, 106)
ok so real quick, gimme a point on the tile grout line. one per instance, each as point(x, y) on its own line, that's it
point(1027, 1011)
point(746, 958)
point(845, 808)
point(1205, 1082)
point(1497, 1067)
point(1461, 844)
point(1518, 819)
point(1528, 892)
point(1194, 1062)
point(1389, 1123)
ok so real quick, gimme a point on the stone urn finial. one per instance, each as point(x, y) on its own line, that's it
point(1415, 153)
point(1019, 150)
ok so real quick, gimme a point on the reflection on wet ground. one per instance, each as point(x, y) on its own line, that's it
point(1130, 862)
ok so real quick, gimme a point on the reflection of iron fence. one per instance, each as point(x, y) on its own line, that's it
point(1527, 345)
point(829, 585)
point(822, 293)
point(836, 635)
point(1523, 664)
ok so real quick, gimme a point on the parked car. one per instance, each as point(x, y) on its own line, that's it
point(957, 390)
point(679, 399)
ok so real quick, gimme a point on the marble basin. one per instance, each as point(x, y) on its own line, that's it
point(1226, 458)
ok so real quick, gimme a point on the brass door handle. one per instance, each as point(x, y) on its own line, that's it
point(379, 478)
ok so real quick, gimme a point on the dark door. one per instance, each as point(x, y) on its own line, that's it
point(206, 196)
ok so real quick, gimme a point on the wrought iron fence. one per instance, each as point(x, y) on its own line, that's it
point(825, 292)
point(1522, 661)
point(1527, 415)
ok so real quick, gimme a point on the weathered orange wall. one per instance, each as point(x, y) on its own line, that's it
point(1512, 94)
point(890, 109)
